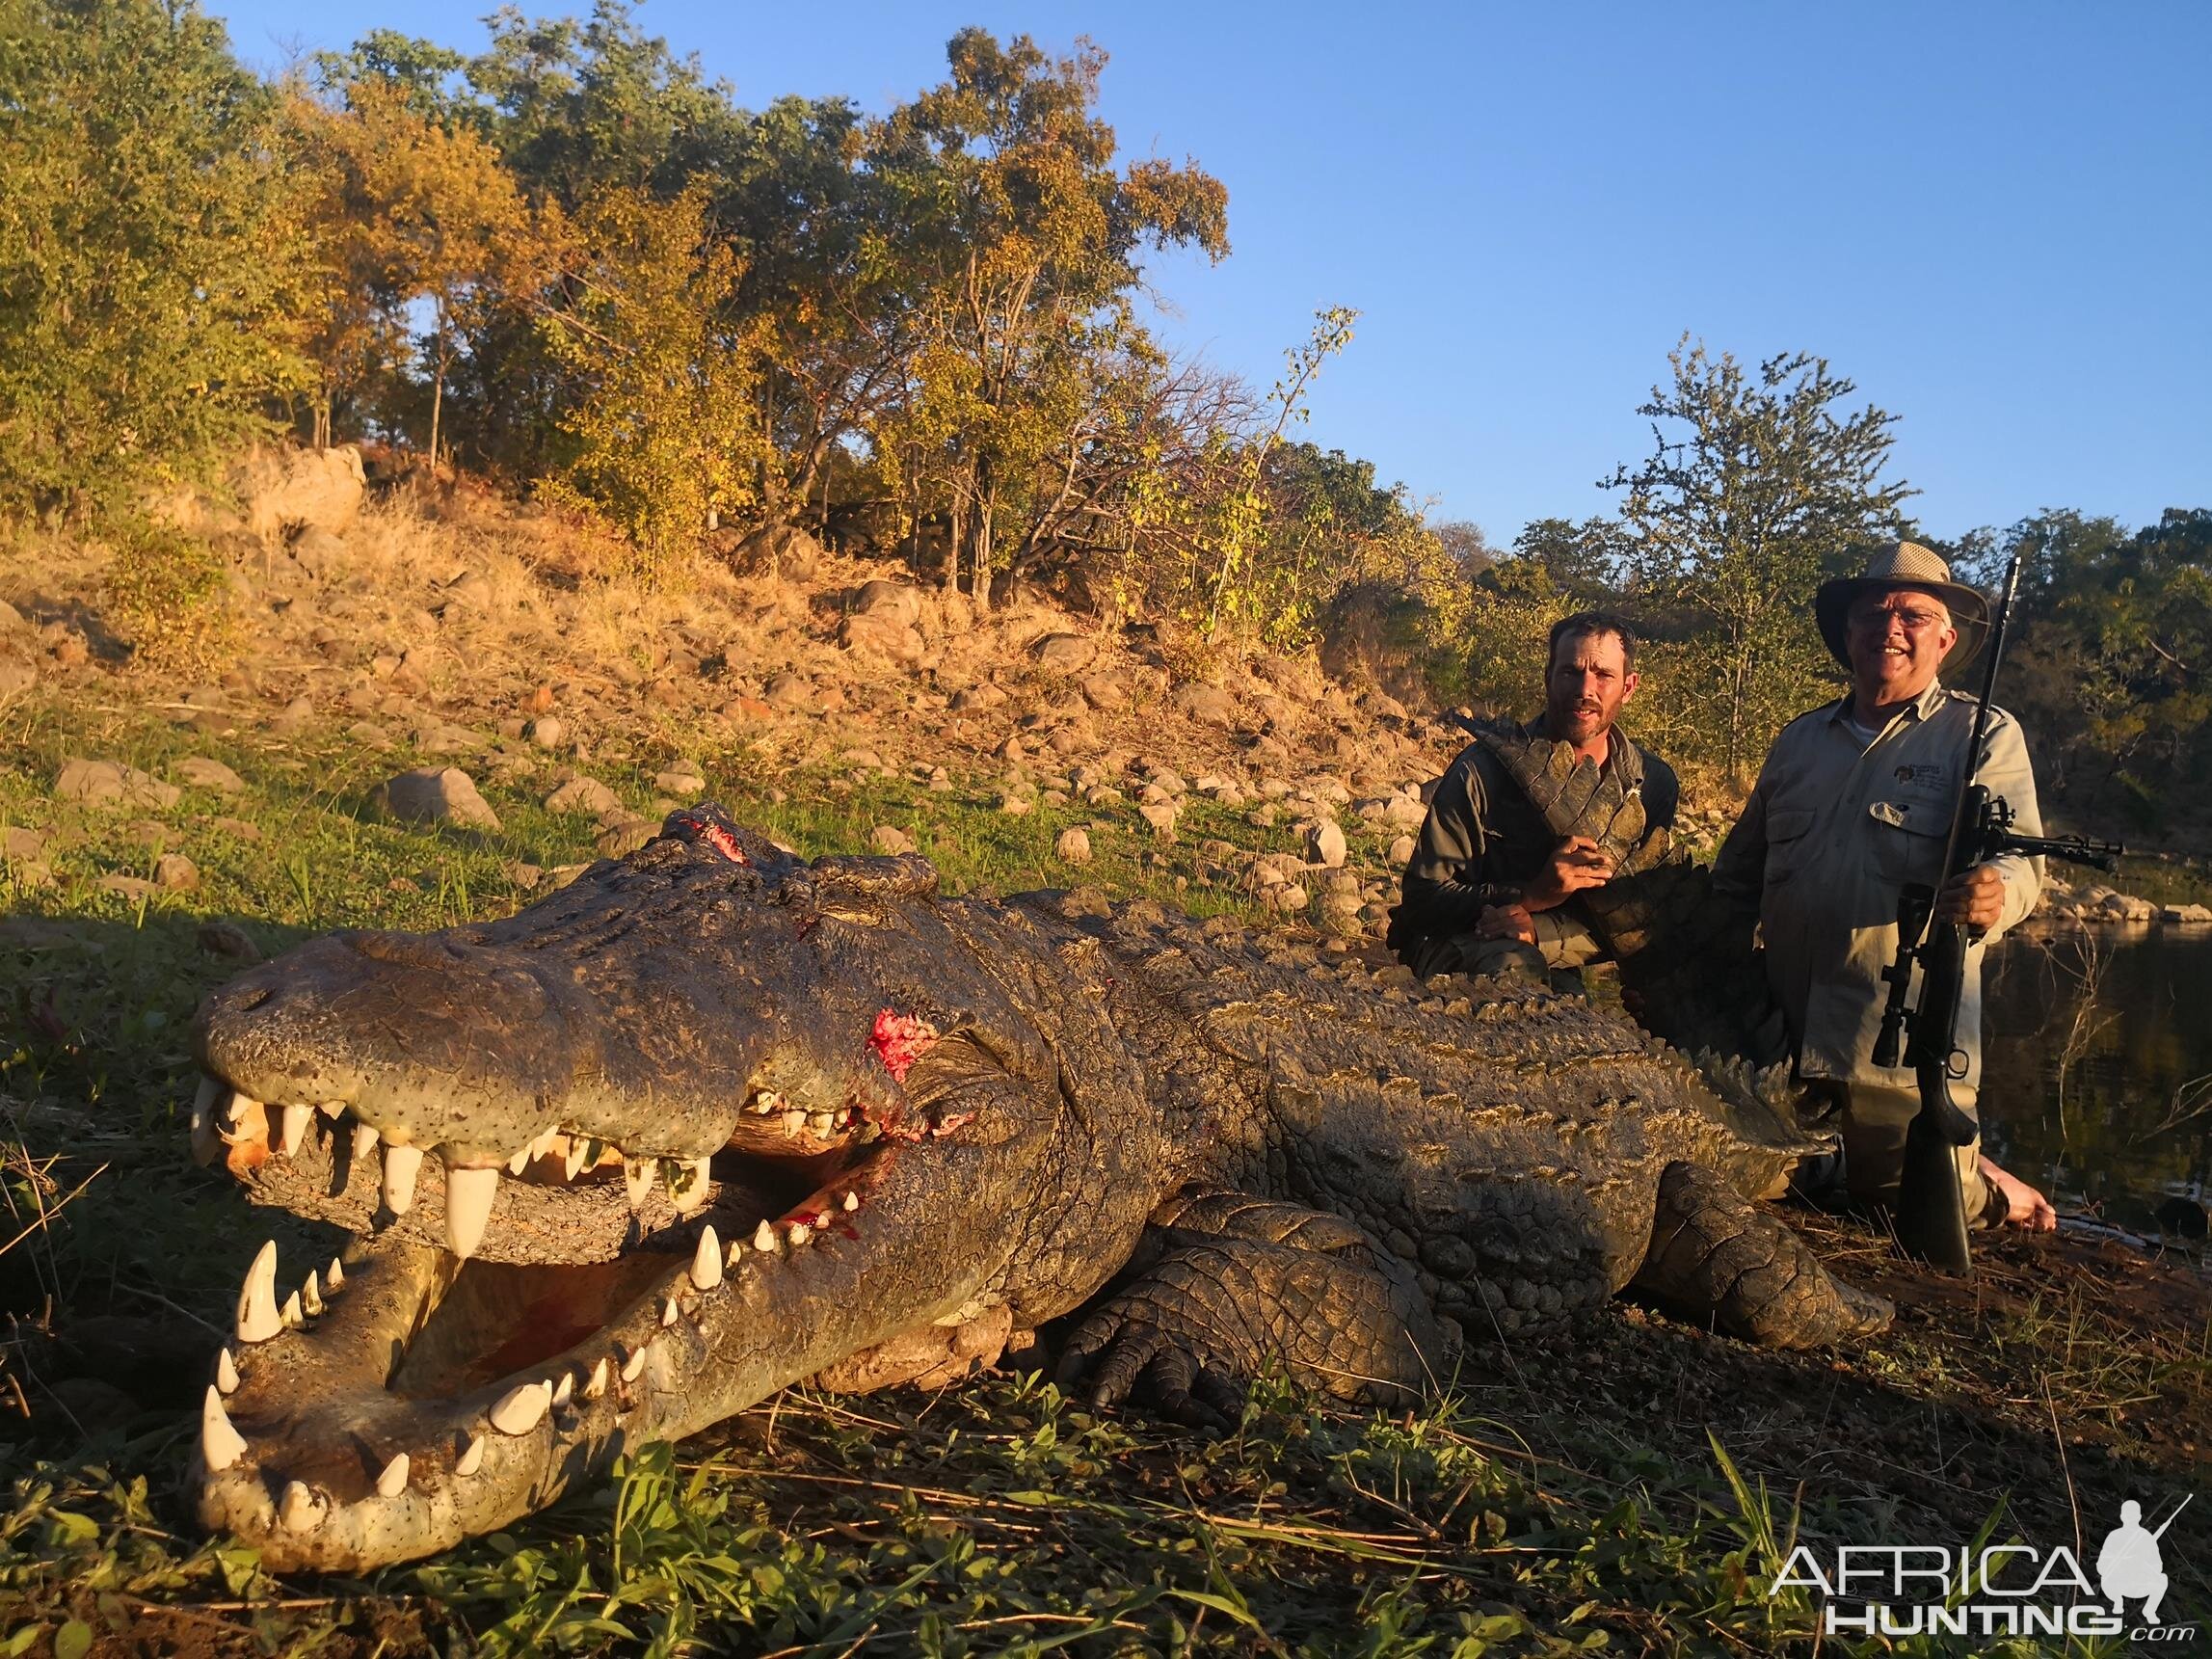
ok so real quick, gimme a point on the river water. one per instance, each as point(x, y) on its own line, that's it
point(2097, 1066)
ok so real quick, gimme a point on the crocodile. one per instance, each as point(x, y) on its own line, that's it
point(713, 1120)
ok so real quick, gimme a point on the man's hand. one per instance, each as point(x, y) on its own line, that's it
point(1578, 864)
point(1506, 921)
point(1974, 899)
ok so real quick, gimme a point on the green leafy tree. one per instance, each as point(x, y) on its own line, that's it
point(1759, 483)
point(150, 251)
point(1025, 241)
point(667, 429)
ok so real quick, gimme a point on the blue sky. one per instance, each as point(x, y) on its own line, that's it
point(1995, 218)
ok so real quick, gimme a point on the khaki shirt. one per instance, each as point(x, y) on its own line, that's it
point(1834, 830)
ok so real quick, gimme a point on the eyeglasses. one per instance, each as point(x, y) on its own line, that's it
point(1911, 621)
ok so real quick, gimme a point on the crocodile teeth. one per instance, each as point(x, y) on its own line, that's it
point(257, 1317)
point(820, 1123)
point(544, 1144)
point(469, 1195)
point(706, 1260)
point(333, 1109)
point(226, 1371)
point(667, 1313)
point(521, 1407)
point(297, 1509)
point(637, 1175)
point(401, 1166)
point(737, 1250)
point(207, 1145)
point(595, 1384)
point(572, 1164)
point(634, 1364)
point(519, 1162)
point(228, 1122)
point(764, 1102)
point(794, 1121)
point(294, 1315)
point(364, 1139)
point(335, 1280)
point(564, 1389)
point(293, 1128)
point(800, 1233)
point(312, 1297)
point(852, 1201)
point(471, 1458)
point(393, 1480)
point(220, 1444)
point(693, 1179)
point(764, 1238)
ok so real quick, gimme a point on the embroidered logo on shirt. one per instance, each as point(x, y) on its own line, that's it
point(1930, 775)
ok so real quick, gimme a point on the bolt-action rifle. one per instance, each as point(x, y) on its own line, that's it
point(1930, 1209)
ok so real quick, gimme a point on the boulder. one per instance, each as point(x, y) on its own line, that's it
point(788, 691)
point(881, 634)
point(1325, 843)
point(1104, 692)
point(176, 873)
point(435, 795)
point(889, 839)
point(1074, 846)
point(680, 781)
point(898, 603)
point(786, 550)
point(625, 835)
point(112, 784)
point(1064, 653)
point(1209, 705)
point(586, 797)
point(546, 730)
point(289, 489)
point(316, 552)
point(203, 773)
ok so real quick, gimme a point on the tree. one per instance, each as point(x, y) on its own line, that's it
point(149, 253)
point(1025, 242)
point(1756, 488)
point(1581, 559)
point(667, 431)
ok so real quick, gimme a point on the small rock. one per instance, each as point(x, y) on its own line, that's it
point(202, 774)
point(682, 781)
point(129, 886)
point(893, 602)
point(788, 691)
point(176, 873)
point(1074, 846)
point(1404, 813)
point(546, 730)
point(1401, 849)
point(1104, 693)
point(435, 795)
point(586, 797)
point(21, 845)
point(1209, 705)
point(889, 839)
point(1325, 843)
point(625, 836)
point(1160, 816)
point(1290, 897)
point(522, 875)
point(1064, 652)
point(111, 784)
point(238, 827)
point(227, 939)
point(1016, 805)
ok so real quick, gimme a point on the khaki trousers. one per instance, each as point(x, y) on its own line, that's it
point(1871, 1121)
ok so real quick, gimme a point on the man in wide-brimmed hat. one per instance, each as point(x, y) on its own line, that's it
point(1855, 800)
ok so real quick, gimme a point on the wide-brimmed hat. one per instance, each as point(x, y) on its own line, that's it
point(1905, 565)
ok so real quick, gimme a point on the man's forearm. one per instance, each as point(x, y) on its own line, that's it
point(1439, 908)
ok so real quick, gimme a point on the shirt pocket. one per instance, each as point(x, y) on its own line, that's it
point(1789, 841)
point(1906, 841)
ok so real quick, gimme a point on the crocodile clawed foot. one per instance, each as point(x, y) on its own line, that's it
point(1124, 1358)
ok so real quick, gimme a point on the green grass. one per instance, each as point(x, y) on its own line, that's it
point(1512, 1514)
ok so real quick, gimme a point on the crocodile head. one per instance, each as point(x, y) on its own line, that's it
point(694, 1128)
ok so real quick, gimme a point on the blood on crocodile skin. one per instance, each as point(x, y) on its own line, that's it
point(715, 837)
point(900, 1040)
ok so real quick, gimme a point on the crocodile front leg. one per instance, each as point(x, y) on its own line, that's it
point(1234, 1287)
point(1717, 1256)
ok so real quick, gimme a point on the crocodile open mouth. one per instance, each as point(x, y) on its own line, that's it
point(486, 1327)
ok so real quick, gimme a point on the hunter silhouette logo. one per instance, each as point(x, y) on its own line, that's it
point(2129, 1565)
